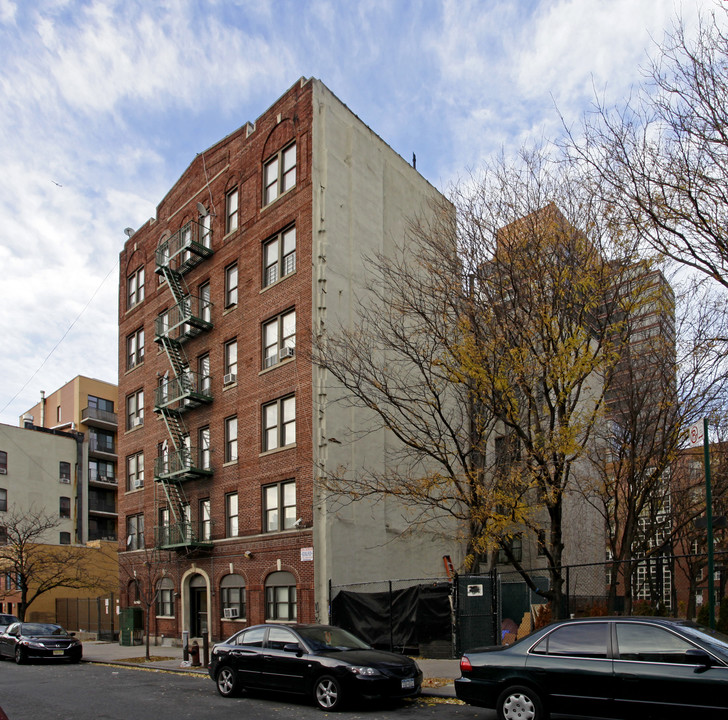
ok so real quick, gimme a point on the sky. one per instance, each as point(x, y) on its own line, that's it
point(104, 104)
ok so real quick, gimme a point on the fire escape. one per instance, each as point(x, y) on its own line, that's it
point(181, 389)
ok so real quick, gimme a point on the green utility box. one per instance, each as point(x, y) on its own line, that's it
point(131, 626)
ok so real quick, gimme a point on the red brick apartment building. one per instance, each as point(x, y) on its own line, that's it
point(226, 423)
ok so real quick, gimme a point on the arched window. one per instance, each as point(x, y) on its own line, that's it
point(165, 598)
point(232, 594)
point(280, 596)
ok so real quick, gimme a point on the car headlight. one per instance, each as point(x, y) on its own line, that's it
point(364, 671)
point(32, 644)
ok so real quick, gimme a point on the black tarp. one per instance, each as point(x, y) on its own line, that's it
point(399, 620)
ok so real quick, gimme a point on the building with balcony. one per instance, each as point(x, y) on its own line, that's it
point(226, 422)
point(87, 406)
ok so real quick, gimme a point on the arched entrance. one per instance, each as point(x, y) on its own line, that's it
point(198, 605)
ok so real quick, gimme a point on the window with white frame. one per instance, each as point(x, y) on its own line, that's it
point(135, 288)
point(203, 370)
point(3, 500)
point(231, 515)
point(231, 285)
point(64, 471)
point(231, 362)
point(279, 256)
point(135, 532)
point(135, 409)
point(279, 423)
point(205, 520)
point(280, 596)
point(205, 225)
point(232, 593)
point(135, 471)
point(3, 462)
point(135, 349)
point(279, 506)
point(231, 439)
point(165, 598)
point(279, 174)
point(231, 210)
point(279, 338)
point(204, 447)
point(205, 304)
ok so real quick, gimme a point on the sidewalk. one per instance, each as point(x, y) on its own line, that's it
point(169, 658)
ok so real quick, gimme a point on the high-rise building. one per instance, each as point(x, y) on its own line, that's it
point(226, 421)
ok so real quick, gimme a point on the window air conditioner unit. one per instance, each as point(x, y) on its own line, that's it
point(229, 378)
point(230, 613)
point(65, 480)
point(270, 361)
point(138, 421)
point(286, 352)
point(138, 483)
point(3, 471)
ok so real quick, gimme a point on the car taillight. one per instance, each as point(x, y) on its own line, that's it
point(465, 665)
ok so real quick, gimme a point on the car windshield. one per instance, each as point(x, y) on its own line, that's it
point(331, 638)
point(40, 629)
point(7, 619)
point(717, 641)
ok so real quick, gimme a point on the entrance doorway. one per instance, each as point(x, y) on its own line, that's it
point(198, 606)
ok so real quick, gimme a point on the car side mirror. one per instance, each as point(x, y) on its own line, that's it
point(699, 657)
point(292, 648)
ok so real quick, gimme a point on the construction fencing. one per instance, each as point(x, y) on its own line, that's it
point(94, 615)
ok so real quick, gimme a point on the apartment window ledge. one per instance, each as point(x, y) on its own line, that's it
point(279, 281)
point(230, 462)
point(132, 369)
point(280, 197)
point(277, 450)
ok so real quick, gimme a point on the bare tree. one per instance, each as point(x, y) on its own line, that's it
point(38, 567)
point(662, 157)
point(505, 325)
point(142, 572)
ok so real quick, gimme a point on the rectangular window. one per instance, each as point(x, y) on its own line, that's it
point(280, 602)
point(231, 439)
point(204, 445)
point(64, 538)
point(203, 370)
point(205, 224)
point(3, 462)
point(135, 471)
point(231, 515)
point(205, 304)
point(516, 547)
point(3, 500)
point(135, 410)
point(279, 174)
point(3, 535)
point(205, 521)
point(231, 362)
point(101, 440)
point(279, 338)
point(135, 288)
point(231, 211)
point(279, 423)
point(135, 348)
point(64, 471)
point(279, 256)
point(165, 599)
point(231, 285)
point(100, 404)
point(279, 506)
point(64, 507)
point(135, 532)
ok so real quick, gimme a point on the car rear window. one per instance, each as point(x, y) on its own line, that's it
point(587, 640)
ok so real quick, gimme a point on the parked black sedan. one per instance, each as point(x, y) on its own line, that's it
point(325, 662)
point(39, 641)
point(603, 667)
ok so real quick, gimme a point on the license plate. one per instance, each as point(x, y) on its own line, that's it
point(408, 684)
point(58, 652)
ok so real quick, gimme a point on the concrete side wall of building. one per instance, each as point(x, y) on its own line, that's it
point(364, 194)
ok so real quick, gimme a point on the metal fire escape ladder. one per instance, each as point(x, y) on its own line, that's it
point(183, 390)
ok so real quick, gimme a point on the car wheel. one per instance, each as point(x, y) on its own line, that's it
point(519, 703)
point(20, 656)
point(228, 684)
point(327, 693)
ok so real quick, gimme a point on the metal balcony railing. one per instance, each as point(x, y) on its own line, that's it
point(188, 391)
point(185, 463)
point(186, 248)
point(103, 416)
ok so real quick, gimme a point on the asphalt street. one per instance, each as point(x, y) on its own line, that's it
point(103, 692)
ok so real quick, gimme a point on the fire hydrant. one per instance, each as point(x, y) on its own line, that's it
point(194, 651)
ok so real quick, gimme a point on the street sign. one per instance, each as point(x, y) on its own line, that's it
point(696, 434)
